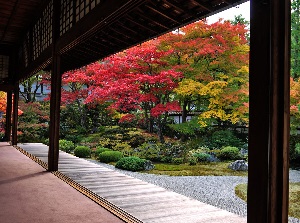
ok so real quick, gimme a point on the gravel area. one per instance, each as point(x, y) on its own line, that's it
point(214, 190)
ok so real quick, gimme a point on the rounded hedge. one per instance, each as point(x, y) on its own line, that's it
point(193, 161)
point(66, 145)
point(82, 151)
point(110, 156)
point(229, 153)
point(131, 163)
point(101, 150)
point(201, 157)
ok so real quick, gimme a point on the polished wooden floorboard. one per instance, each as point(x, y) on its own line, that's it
point(143, 200)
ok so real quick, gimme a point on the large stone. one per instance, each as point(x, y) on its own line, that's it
point(148, 165)
point(239, 165)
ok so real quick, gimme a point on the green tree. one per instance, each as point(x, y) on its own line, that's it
point(31, 86)
point(33, 122)
point(295, 39)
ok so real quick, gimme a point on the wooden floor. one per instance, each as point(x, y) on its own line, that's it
point(145, 201)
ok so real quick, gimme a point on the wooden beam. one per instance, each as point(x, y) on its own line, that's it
point(8, 116)
point(162, 14)
point(101, 16)
point(269, 112)
point(6, 87)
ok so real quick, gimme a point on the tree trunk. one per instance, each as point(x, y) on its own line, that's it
point(183, 137)
point(160, 132)
point(184, 111)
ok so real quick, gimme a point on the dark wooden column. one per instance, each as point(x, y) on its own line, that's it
point(55, 94)
point(8, 116)
point(269, 111)
point(14, 139)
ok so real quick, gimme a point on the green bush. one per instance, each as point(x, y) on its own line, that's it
point(174, 150)
point(110, 156)
point(192, 161)
point(131, 163)
point(108, 142)
point(166, 159)
point(100, 149)
point(65, 145)
point(177, 161)
point(122, 146)
point(229, 153)
point(201, 157)
point(221, 139)
point(136, 140)
point(150, 151)
point(82, 151)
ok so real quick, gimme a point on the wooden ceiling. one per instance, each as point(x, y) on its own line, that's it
point(89, 29)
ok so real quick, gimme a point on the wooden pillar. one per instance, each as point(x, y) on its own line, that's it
point(269, 111)
point(15, 114)
point(55, 94)
point(8, 116)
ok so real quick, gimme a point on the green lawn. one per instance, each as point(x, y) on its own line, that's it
point(205, 169)
point(294, 204)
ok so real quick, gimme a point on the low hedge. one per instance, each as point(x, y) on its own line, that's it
point(101, 150)
point(65, 145)
point(82, 151)
point(229, 153)
point(201, 157)
point(131, 163)
point(110, 156)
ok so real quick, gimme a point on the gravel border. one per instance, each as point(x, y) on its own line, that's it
point(214, 190)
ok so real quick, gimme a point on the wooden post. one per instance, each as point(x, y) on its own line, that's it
point(15, 115)
point(8, 116)
point(55, 94)
point(54, 115)
point(269, 111)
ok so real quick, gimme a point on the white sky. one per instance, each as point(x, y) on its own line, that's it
point(229, 14)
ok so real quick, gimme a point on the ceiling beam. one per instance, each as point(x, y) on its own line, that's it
point(6, 87)
point(100, 17)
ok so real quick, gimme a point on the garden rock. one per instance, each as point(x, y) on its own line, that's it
point(239, 165)
point(148, 165)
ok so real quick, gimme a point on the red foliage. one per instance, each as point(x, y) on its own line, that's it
point(127, 118)
point(160, 109)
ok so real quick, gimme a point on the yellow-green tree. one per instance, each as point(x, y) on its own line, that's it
point(214, 60)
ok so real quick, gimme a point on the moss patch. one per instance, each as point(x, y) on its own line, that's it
point(201, 169)
point(294, 196)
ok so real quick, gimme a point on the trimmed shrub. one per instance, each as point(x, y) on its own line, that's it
point(82, 151)
point(229, 153)
point(222, 138)
point(110, 156)
point(136, 140)
point(295, 155)
point(177, 161)
point(192, 161)
point(125, 148)
point(100, 150)
point(131, 163)
point(174, 150)
point(150, 151)
point(201, 157)
point(65, 145)
point(166, 159)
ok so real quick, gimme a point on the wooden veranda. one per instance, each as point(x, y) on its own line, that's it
point(60, 35)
